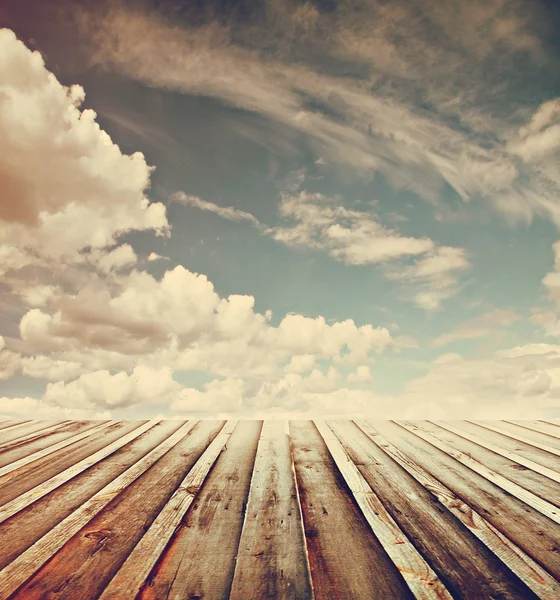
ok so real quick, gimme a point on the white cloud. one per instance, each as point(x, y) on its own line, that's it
point(226, 212)
point(22, 408)
point(364, 122)
point(101, 389)
point(350, 236)
point(541, 137)
point(153, 256)
point(361, 375)
point(357, 238)
point(479, 327)
point(9, 361)
point(180, 321)
point(66, 186)
point(522, 382)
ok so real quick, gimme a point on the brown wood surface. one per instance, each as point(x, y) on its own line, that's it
point(534, 533)
point(272, 556)
point(346, 559)
point(87, 563)
point(214, 522)
point(469, 570)
point(28, 526)
point(213, 509)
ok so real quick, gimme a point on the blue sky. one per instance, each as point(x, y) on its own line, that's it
point(280, 208)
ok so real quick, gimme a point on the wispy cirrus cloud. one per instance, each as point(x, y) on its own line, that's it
point(357, 238)
point(453, 135)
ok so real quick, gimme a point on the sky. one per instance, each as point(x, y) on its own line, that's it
point(279, 209)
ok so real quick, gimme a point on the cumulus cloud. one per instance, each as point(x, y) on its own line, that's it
point(9, 361)
point(66, 186)
point(180, 321)
point(522, 382)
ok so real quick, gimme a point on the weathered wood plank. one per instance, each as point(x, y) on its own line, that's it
point(540, 426)
point(11, 425)
point(534, 533)
point(140, 562)
point(531, 573)
point(21, 502)
point(83, 567)
point(272, 557)
point(21, 531)
point(50, 449)
point(545, 508)
point(215, 520)
point(526, 428)
point(534, 482)
point(21, 569)
point(516, 436)
point(419, 576)
point(466, 567)
point(33, 435)
point(514, 456)
point(346, 559)
point(30, 476)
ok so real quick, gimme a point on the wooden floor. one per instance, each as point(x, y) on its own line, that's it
point(300, 509)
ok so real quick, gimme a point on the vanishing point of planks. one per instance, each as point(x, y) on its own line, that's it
point(252, 510)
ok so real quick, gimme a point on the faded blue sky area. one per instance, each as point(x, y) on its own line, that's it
point(279, 208)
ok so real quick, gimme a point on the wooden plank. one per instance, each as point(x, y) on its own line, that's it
point(554, 422)
point(419, 576)
point(541, 427)
point(17, 425)
point(516, 457)
point(545, 508)
point(22, 568)
point(534, 533)
point(535, 483)
point(346, 559)
point(21, 502)
point(515, 436)
point(30, 476)
point(272, 557)
point(530, 572)
point(50, 449)
point(11, 425)
point(85, 565)
point(33, 435)
point(215, 520)
point(25, 528)
point(465, 566)
point(135, 570)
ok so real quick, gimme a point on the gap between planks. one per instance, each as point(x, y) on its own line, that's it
point(545, 508)
point(417, 573)
point(14, 506)
point(135, 570)
point(532, 574)
point(26, 564)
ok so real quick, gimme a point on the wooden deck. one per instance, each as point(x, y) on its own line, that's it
point(300, 510)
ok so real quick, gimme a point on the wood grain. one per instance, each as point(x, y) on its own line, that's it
point(419, 576)
point(272, 557)
point(528, 571)
point(21, 502)
point(346, 559)
point(86, 563)
point(135, 570)
point(215, 520)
